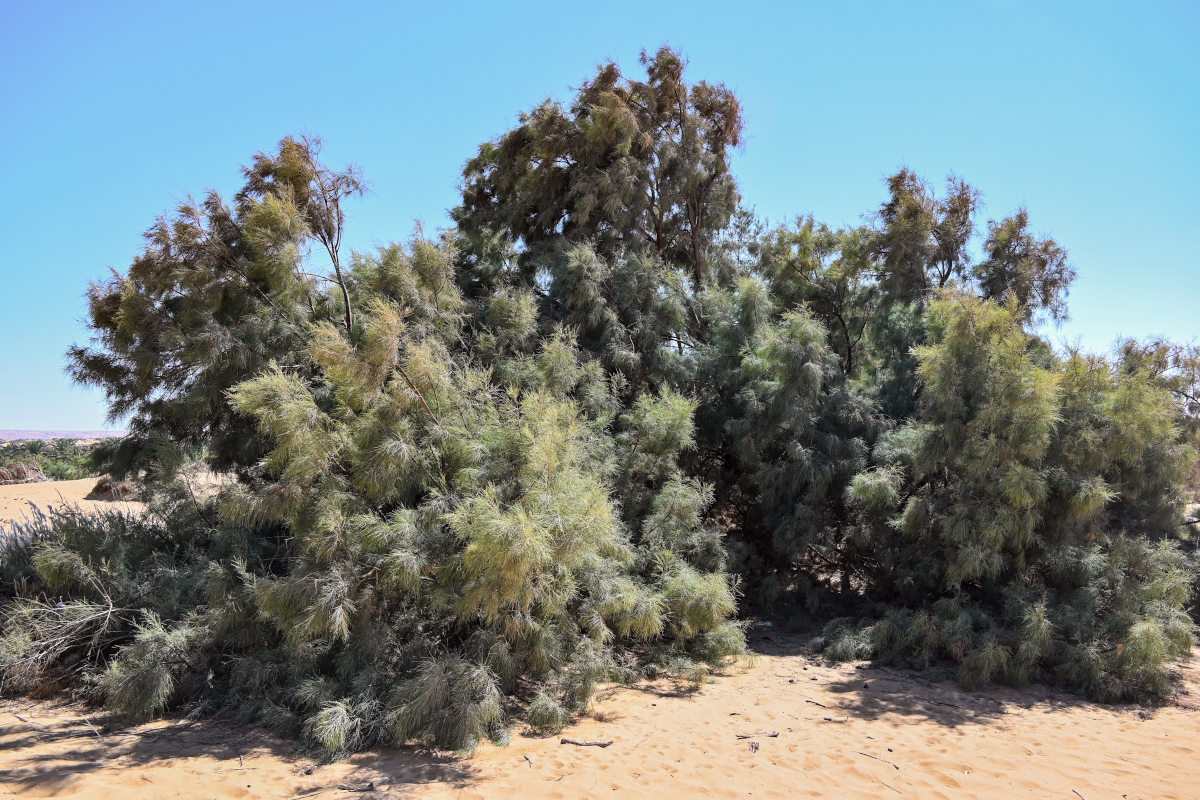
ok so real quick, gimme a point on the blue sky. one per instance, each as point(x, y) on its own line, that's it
point(1086, 113)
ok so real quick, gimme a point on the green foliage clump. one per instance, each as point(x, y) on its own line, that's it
point(417, 545)
point(546, 716)
point(57, 459)
point(1021, 524)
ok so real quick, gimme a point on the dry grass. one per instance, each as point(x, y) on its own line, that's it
point(21, 473)
point(108, 489)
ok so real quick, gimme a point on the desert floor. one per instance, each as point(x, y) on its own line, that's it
point(843, 731)
point(18, 501)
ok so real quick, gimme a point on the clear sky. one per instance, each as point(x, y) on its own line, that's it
point(1087, 113)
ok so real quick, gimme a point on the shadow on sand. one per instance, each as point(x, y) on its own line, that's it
point(52, 749)
point(863, 690)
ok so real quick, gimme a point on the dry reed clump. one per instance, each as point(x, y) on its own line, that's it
point(21, 473)
point(108, 489)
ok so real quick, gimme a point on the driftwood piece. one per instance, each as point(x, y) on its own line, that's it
point(565, 740)
point(768, 734)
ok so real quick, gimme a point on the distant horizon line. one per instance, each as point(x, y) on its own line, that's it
point(22, 434)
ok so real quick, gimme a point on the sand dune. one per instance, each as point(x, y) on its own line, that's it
point(845, 731)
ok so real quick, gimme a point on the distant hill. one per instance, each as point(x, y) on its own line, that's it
point(24, 436)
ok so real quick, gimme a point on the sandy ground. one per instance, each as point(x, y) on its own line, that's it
point(845, 731)
point(18, 500)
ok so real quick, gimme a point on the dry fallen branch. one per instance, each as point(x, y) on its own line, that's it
point(313, 793)
point(93, 727)
point(942, 703)
point(31, 722)
point(768, 734)
point(565, 740)
point(22, 473)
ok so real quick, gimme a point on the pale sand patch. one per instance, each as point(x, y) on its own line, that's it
point(888, 733)
point(17, 501)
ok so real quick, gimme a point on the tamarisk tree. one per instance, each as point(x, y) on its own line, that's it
point(1024, 492)
point(471, 475)
point(631, 164)
point(419, 551)
point(217, 293)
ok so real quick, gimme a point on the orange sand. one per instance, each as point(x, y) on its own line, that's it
point(847, 731)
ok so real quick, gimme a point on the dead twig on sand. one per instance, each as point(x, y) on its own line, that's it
point(313, 793)
point(942, 703)
point(877, 758)
point(88, 722)
point(565, 740)
point(31, 722)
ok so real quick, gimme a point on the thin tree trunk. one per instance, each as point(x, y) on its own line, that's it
point(337, 270)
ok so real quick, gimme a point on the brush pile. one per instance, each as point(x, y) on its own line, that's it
point(21, 473)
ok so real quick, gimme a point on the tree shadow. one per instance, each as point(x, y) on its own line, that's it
point(869, 691)
point(670, 688)
point(57, 750)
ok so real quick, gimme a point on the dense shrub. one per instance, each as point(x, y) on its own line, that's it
point(418, 545)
